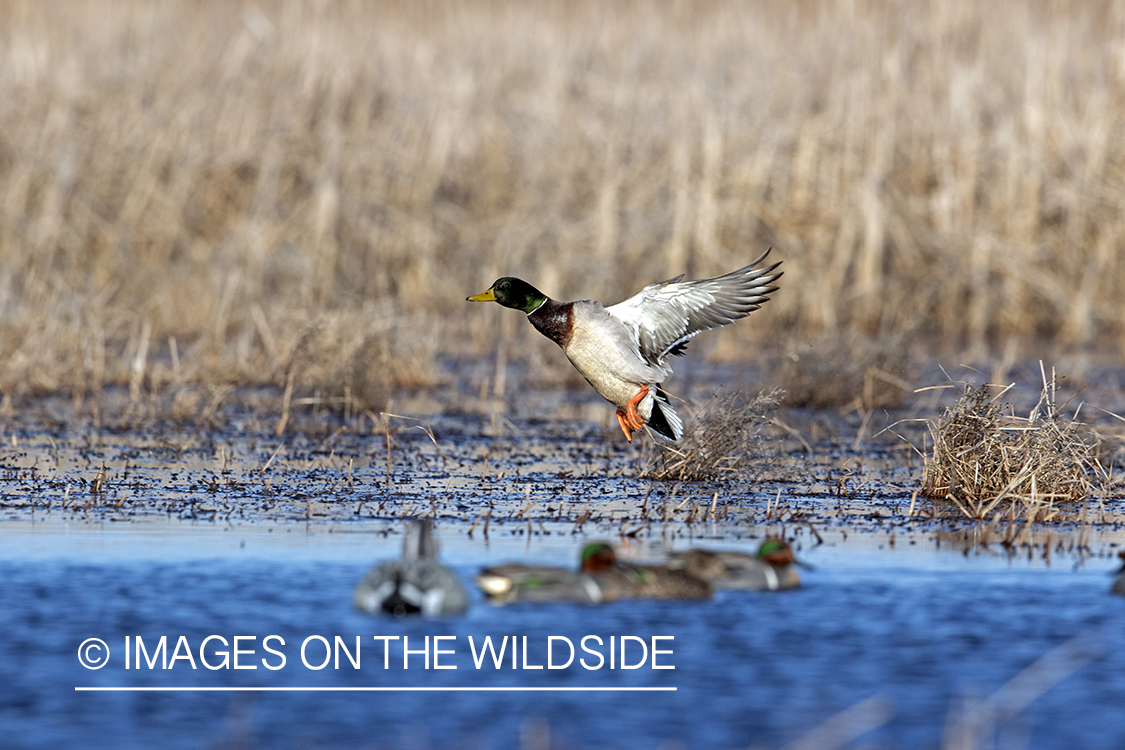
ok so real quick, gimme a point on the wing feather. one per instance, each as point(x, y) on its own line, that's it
point(664, 316)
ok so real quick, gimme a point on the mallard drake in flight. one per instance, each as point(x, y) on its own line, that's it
point(415, 584)
point(600, 578)
point(621, 350)
point(771, 569)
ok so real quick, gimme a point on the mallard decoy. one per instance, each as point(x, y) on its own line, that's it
point(514, 582)
point(1119, 582)
point(621, 350)
point(600, 578)
point(771, 569)
point(416, 584)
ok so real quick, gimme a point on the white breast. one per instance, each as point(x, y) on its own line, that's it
point(600, 348)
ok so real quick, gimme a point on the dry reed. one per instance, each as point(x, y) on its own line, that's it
point(187, 186)
point(843, 371)
point(722, 442)
point(989, 462)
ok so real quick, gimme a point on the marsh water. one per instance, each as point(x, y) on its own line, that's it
point(915, 629)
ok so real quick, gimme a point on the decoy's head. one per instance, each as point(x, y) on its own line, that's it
point(514, 293)
point(597, 557)
point(420, 543)
point(776, 552)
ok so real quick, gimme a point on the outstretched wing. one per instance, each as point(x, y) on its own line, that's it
point(662, 317)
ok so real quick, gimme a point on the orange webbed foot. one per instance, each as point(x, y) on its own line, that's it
point(626, 426)
point(635, 420)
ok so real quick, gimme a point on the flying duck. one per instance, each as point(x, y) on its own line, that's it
point(621, 350)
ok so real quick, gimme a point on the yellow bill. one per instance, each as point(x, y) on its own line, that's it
point(485, 296)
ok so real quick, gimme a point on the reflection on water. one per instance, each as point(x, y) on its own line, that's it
point(929, 631)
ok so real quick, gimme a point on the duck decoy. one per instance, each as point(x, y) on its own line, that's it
point(415, 584)
point(771, 569)
point(600, 578)
point(621, 350)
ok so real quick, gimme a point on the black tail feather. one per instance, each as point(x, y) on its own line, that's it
point(657, 422)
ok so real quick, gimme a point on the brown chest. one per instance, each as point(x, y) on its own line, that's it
point(555, 320)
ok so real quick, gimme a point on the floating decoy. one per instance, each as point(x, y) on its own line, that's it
point(415, 584)
point(621, 350)
point(773, 568)
point(600, 578)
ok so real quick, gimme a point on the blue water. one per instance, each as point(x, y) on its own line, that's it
point(929, 632)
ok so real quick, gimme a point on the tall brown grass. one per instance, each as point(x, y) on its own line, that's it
point(236, 192)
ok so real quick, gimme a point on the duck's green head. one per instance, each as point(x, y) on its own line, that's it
point(597, 557)
point(514, 293)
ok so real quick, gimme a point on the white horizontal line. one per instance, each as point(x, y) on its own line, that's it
point(374, 689)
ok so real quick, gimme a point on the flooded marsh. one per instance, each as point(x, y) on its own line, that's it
point(906, 632)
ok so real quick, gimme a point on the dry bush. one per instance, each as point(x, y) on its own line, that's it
point(722, 442)
point(185, 179)
point(845, 371)
point(987, 460)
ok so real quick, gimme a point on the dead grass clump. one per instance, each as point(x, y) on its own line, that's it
point(722, 442)
point(985, 459)
point(399, 357)
point(846, 371)
point(357, 359)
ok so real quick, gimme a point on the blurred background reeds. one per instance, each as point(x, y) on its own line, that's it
point(218, 192)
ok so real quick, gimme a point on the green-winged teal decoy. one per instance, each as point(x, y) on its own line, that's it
point(771, 569)
point(415, 584)
point(601, 578)
point(621, 350)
